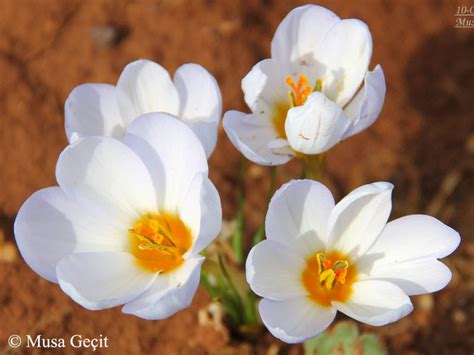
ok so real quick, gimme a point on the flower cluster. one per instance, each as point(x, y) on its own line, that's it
point(134, 206)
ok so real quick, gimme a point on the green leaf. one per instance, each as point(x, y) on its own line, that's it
point(344, 338)
point(238, 234)
point(371, 344)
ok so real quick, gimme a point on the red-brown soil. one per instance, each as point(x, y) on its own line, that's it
point(423, 142)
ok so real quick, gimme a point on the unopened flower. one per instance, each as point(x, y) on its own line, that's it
point(313, 92)
point(144, 87)
point(127, 221)
point(320, 258)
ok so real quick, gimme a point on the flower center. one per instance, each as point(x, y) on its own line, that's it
point(329, 277)
point(297, 96)
point(300, 92)
point(158, 241)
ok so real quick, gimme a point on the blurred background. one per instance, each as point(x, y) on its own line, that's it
point(423, 142)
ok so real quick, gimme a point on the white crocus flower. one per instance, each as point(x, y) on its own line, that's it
point(320, 258)
point(127, 221)
point(313, 92)
point(144, 87)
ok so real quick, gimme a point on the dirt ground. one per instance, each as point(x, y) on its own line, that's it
point(423, 142)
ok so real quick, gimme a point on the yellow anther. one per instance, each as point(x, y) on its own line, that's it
point(154, 225)
point(327, 278)
point(329, 272)
point(319, 85)
point(145, 246)
point(323, 263)
point(137, 226)
point(292, 98)
point(159, 241)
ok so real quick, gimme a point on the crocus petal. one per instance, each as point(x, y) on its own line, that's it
point(414, 277)
point(105, 170)
point(406, 253)
point(415, 237)
point(149, 88)
point(359, 218)
point(50, 225)
point(274, 270)
point(365, 107)
point(102, 280)
point(376, 303)
point(252, 137)
point(93, 110)
point(200, 103)
point(202, 212)
point(300, 33)
point(264, 87)
point(295, 320)
point(315, 126)
point(171, 292)
point(297, 215)
point(172, 153)
point(345, 53)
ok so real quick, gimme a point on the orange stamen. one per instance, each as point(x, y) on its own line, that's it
point(300, 91)
point(158, 241)
point(328, 277)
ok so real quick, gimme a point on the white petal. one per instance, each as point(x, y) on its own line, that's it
point(297, 320)
point(102, 280)
point(149, 88)
point(300, 33)
point(359, 218)
point(50, 226)
point(171, 292)
point(345, 53)
point(172, 153)
point(415, 237)
point(200, 103)
point(265, 87)
point(297, 215)
point(252, 137)
point(376, 303)
point(414, 277)
point(274, 271)
point(315, 126)
point(93, 110)
point(202, 212)
point(105, 170)
point(365, 107)
point(405, 254)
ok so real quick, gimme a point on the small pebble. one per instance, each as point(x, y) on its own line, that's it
point(425, 302)
point(8, 253)
point(256, 171)
point(108, 36)
point(459, 316)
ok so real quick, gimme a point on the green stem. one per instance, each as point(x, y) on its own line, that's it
point(313, 166)
point(227, 277)
point(238, 234)
point(250, 309)
point(260, 233)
